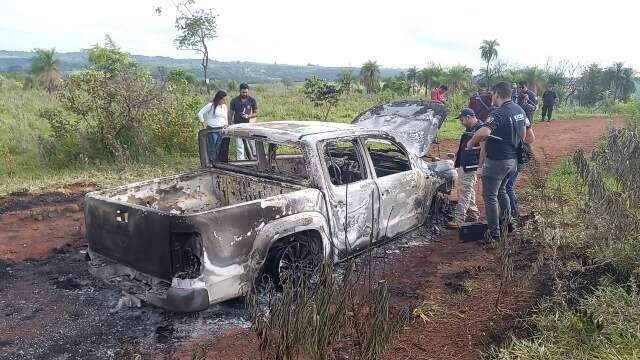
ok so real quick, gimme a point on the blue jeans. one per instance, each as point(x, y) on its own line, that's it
point(212, 137)
point(511, 191)
point(495, 174)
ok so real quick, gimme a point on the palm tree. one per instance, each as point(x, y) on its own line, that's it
point(45, 66)
point(458, 77)
point(429, 76)
point(535, 77)
point(370, 75)
point(488, 52)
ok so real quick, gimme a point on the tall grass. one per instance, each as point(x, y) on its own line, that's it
point(21, 165)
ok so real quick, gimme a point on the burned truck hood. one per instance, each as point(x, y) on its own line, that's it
point(414, 123)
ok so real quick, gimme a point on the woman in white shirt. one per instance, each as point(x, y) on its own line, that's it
point(214, 115)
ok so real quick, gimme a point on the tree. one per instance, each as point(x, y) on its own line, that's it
point(196, 27)
point(109, 58)
point(458, 77)
point(412, 75)
point(321, 93)
point(346, 79)
point(488, 52)
point(428, 76)
point(370, 75)
point(535, 77)
point(396, 84)
point(45, 67)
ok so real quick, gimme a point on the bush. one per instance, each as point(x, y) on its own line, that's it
point(173, 123)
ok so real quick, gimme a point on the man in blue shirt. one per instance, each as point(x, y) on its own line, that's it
point(503, 132)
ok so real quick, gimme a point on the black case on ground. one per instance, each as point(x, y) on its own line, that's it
point(472, 231)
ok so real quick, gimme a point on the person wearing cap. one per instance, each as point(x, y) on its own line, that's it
point(467, 174)
point(503, 133)
point(243, 109)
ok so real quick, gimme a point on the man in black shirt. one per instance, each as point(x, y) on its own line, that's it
point(466, 164)
point(503, 132)
point(527, 99)
point(548, 101)
point(243, 109)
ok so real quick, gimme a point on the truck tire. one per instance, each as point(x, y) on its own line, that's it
point(293, 258)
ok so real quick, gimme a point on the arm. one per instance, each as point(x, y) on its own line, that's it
point(483, 154)
point(481, 135)
point(529, 137)
point(203, 111)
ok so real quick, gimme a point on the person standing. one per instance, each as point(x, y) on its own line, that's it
point(527, 99)
point(480, 102)
point(439, 94)
point(243, 109)
point(524, 156)
point(214, 115)
point(548, 101)
point(467, 169)
point(503, 132)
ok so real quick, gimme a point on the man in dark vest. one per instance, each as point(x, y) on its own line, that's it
point(503, 132)
point(467, 168)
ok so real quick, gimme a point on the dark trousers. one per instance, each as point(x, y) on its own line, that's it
point(546, 111)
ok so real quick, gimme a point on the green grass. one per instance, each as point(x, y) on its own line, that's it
point(605, 325)
point(20, 127)
point(47, 179)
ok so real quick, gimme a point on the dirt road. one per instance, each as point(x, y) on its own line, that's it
point(51, 308)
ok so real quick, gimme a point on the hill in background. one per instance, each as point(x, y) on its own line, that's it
point(252, 72)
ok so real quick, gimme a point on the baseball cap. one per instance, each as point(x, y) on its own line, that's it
point(466, 112)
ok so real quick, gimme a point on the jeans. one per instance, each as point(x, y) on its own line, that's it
point(495, 175)
point(212, 137)
point(511, 191)
point(240, 148)
point(546, 112)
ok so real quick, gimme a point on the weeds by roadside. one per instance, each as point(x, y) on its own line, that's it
point(585, 226)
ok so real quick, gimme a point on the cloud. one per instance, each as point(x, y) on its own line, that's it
point(338, 33)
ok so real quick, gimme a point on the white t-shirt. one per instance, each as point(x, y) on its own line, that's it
point(217, 119)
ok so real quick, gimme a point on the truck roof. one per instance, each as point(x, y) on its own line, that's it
point(289, 130)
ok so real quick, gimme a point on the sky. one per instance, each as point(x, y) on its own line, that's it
point(398, 33)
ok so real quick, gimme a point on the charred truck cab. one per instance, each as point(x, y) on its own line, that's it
point(186, 241)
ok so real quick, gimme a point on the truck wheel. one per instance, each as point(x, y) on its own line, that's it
point(294, 259)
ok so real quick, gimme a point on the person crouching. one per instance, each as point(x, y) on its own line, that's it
point(467, 164)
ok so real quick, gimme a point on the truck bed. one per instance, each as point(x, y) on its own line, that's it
point(156, 226)
point(195, 192)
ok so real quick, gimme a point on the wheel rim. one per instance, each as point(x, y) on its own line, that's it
point(298, 261)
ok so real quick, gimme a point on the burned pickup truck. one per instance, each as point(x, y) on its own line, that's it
point(306, 190)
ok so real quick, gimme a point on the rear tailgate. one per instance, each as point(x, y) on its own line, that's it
point(131, 235)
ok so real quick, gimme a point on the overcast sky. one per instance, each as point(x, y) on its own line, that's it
point(342, 33)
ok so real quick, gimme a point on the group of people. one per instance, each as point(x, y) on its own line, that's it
point(495, 146)
point(242, 109)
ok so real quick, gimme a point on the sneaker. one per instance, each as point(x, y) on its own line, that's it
point(453, 224)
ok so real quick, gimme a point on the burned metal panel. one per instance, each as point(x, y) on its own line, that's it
point(229, 238)
point(285, 131)
point(414, 123)
point(132, 236)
